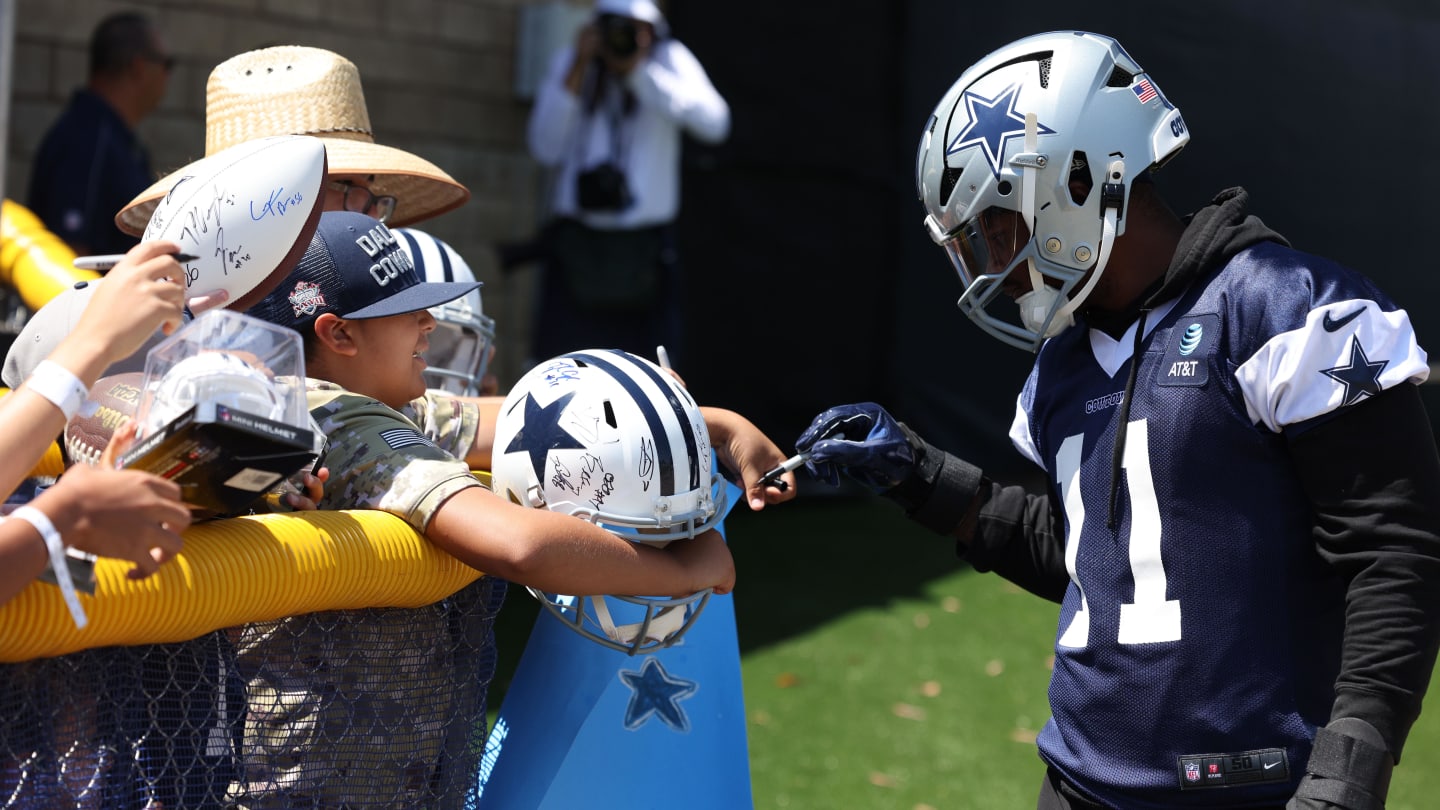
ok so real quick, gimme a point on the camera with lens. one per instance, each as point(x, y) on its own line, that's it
point(603, 188)
point(618, 35)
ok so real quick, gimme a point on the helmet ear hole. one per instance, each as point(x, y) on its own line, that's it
point(610, 414)
point(948, 180)
point(1080, 181)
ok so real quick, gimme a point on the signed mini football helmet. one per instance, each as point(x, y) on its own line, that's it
point(612, 438)
point(1029, 159)
point(459, 352)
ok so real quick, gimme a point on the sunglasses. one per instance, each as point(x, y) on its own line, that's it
point(165, 61)
point(362, 200)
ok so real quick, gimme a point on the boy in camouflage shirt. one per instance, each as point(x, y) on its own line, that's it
point(350, 708)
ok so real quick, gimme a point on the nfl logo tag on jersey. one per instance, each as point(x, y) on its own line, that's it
point(1192, 341)
point(1192, 771)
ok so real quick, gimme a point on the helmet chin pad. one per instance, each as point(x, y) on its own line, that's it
point(1035, 308)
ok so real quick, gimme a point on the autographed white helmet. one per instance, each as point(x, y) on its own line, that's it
point(459, 352)
point(996, 161)
point(612, 438)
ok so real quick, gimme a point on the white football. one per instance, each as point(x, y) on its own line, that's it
point(247, 214)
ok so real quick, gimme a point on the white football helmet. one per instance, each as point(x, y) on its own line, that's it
point(210, 376)
point(459, 352)
point(612, 438)
point(1007, 138)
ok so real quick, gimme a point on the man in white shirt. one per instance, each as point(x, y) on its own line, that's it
point(609, 118)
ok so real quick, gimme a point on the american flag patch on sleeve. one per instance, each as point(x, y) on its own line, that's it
point(397, 438)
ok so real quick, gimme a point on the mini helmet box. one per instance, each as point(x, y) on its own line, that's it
point(222, 411)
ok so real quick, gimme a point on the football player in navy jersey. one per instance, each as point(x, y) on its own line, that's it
point(1242, 519)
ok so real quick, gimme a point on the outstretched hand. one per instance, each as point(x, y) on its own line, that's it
point(743, 448)
point(144, 292)
point(125, 514)
point(863, 441)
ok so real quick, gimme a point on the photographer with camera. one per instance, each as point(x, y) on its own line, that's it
point(609, 118)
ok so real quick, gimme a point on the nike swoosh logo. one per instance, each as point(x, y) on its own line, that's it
point(1273, 764)
point(1331, 324)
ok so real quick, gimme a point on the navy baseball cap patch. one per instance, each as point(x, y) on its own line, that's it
point(355, 268)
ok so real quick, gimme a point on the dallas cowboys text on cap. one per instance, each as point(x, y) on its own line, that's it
point(356, 268)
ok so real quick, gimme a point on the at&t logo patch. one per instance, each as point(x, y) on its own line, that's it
point(1190, 346)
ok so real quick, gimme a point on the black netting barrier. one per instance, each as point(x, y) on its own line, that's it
point(346, 709)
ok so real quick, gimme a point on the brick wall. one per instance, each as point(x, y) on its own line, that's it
point(439, 78)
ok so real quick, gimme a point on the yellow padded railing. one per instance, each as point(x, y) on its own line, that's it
point(50, 465)
point(33, 261)
point(240, 570)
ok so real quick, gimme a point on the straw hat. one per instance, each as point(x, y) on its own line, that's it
point(293, 90)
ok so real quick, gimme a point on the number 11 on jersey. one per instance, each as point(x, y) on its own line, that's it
point(1150, 618)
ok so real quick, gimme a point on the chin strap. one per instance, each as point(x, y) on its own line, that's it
point(1027, 192)
point(1036, 305)
point(656, 627)
point(1112, 201)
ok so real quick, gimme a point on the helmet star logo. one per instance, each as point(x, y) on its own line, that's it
point(993, 124)
point(657, 692)
point(1361, 378)
point(541, 432)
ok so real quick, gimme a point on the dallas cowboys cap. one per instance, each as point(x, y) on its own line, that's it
point(355, 268)
point(50, 325)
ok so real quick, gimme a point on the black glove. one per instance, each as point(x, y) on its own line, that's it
point(862, 441)
point(1349, 769)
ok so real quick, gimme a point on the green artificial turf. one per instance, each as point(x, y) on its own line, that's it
point(879, 672)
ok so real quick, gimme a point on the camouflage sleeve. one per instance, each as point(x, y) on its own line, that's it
point(378, 459)
point(446, 420)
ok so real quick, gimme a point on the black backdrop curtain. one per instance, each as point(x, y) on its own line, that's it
point(811, 282)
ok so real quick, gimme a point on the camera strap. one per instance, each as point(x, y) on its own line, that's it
point(611, 102)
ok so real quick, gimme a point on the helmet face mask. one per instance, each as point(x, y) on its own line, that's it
point(460, 346)
point(1025, 130)
point(612, 438)
point(654, 623)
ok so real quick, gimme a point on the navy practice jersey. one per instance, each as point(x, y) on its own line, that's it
point(1199, 638)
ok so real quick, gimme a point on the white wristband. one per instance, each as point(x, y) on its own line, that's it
point(57, 384)
point(58, 565)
